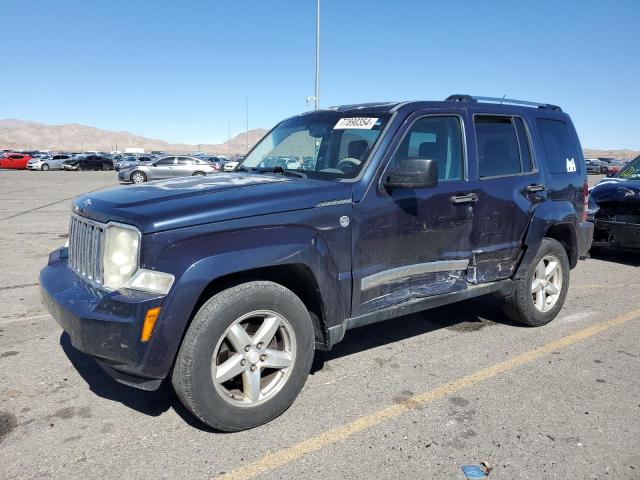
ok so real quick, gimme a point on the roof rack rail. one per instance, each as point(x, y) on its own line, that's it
point(471, 98)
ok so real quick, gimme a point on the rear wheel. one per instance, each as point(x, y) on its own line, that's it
point(245, 356)
point(44, 167)
point(540, 294)
point(138, 177)
point(198, 174)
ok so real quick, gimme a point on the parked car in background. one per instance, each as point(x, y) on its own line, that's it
point(614, 208)
point(594, 166)
point(53, 162)
point(166, 167)
point(14, 161)
point(88, 162)
point(230, 166)
point(614, 167)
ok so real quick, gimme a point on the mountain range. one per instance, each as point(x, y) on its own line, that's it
point(25, 135)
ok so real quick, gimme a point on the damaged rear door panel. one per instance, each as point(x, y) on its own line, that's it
point(509, 187)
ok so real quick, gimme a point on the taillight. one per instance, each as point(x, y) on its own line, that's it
point(585, 201)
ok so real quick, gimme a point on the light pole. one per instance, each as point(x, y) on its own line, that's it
point(317, 54)
point(246, 98)
point(229, 138)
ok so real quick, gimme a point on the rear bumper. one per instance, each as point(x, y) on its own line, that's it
point(105, 325)
point(584, 233)
point(616, 234)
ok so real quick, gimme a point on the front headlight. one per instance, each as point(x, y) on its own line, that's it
point(121, 253)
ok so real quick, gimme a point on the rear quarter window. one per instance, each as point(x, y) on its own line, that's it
point(559, 147)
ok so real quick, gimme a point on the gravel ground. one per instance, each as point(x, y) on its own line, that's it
point(414, 397)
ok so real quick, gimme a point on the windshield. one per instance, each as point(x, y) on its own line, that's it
point(631, 171)
point(327, 145)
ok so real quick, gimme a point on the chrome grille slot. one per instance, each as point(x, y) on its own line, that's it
point(86, 243)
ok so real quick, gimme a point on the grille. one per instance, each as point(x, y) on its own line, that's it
point(86, 243)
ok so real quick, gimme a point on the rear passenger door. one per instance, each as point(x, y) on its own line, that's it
point(184, 167)
point(508, 186)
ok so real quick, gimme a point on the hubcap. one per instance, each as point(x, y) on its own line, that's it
point(254, 358)
point(138, 178)
point(547, 283)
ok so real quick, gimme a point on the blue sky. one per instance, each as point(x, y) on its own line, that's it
point(180, 70)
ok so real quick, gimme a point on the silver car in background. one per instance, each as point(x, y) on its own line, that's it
point(166, 167)
point(53, 162)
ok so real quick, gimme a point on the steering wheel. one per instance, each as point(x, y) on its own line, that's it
point(349, 163)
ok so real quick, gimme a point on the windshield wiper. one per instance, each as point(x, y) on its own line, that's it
point(280, 170)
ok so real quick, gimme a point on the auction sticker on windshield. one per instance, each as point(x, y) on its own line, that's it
point(363, 123)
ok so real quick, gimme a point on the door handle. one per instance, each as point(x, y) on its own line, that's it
point(464, 198)
point(535, 187)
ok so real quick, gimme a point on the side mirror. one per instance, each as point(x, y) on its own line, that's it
point(414, 173)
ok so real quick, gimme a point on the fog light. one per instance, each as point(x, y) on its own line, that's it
point(149, 322)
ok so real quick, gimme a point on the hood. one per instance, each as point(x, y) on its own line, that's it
point(187, 201)
point(616, 190)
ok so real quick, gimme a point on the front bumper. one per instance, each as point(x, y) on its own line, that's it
point(609, 233)
point(33, 166)
point(105, 325)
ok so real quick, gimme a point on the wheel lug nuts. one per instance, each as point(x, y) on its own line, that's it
point(260, 345)
point(243, 362)
point(253, 368)
point(247, 348)
point(263, 358)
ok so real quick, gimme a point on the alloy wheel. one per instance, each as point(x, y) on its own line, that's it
point(547, 283)
point(254, 358)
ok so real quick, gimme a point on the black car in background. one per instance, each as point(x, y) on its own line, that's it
point(88, 162)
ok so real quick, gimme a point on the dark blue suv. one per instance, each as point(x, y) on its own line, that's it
point(338, 218)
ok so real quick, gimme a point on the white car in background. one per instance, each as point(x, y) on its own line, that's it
point(230, 166)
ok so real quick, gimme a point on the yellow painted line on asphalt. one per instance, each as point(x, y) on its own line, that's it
point(596, 285)
point(280, 458)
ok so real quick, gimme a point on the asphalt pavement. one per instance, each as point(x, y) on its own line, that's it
point(414, 397)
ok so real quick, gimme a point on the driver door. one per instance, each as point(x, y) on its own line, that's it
point(414, 243)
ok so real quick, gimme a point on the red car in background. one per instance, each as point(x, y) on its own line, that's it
point(16, 161)
point(614, 167)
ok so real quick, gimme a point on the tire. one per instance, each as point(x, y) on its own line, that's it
point(520, 305)
point(44, 167)
point(106, 167)
point(208, 336)
point(138, 177)
point(198, 174)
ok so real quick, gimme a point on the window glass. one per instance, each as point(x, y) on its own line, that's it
point(498, 151)
point(434, 138)
point(165, 161)
point(185, 161)
point(559, 148)
point(525, 148)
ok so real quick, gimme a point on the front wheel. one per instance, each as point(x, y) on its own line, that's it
point(45, 167)
point(540, 294)
point(138, 177)
point(245, 356)
point(106, 167)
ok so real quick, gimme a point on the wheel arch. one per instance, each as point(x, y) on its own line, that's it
point(553, 219)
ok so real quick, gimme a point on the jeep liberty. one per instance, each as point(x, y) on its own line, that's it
point(337, 218)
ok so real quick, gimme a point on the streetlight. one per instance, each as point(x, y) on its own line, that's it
point(317, 54)
point(246, 98)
